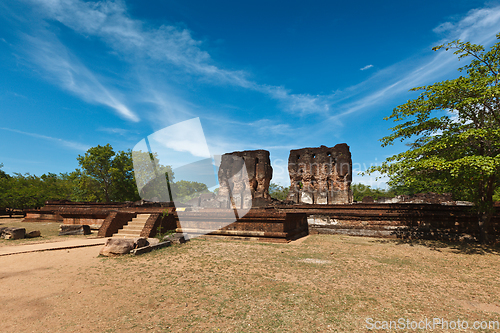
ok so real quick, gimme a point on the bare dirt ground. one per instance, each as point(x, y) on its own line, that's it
point(321, 283)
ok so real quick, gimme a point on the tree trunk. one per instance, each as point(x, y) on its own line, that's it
point(484, 224)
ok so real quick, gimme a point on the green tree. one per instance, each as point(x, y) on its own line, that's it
point(185, 190)
point(359, 191)
point(30, 191)
point(2, 173)
point(455, 125)
point(278, 192)
point(148, 172)
point(106, 175)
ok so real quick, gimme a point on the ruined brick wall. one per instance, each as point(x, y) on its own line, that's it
point(320, 175)
point(232, 180)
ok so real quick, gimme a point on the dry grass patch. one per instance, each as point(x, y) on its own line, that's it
point(49, 232)
point(325, 283)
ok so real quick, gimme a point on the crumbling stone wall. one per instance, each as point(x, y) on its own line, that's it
point(233, 182)
point(320, 175)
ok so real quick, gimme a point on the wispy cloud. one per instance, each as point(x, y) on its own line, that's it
point(173, 47)
point(167, 44)
point(479, 26)
point(111, 130)
point(476, 25)
point(65, 69)
point(62, 142)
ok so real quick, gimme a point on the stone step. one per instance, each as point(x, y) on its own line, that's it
point(127, 234)
point(142, 217)
point(134, 228)
point(131, 229)
point(135, 223)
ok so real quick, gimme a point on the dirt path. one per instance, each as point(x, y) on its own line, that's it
point(50, 246)
point(39, 288)
point(323, 283)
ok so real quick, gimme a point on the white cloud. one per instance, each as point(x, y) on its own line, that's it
point(65, 143)
point(63, 68)
point(186, 136)
point(112, 130)
point(168, 44)
point(479, 26)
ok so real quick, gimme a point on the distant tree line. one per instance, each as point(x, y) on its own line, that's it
point(103, 176)
point(108, 176)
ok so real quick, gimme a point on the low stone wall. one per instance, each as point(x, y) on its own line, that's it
point(259, 224)
point(367, 219)
point(42, 216)
point(450, 222)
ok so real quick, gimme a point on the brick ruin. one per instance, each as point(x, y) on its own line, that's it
point(320, 193)
point(320, 175)
point(250, 189)
point(233, 181)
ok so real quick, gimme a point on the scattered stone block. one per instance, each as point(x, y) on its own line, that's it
point(140, 242)
point(153, 241)
point(176, 238)
point(117, 246)
point(13, 233)
point(150, 248)
point(74, 229)
point(33, 234)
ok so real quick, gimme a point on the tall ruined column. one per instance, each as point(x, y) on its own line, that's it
point(320, 175)
point(259, 170)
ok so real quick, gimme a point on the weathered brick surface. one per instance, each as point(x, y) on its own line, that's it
point(427, 220)
point(245, 191)
point(320, 175)
point(264, 224)
point(422, 220)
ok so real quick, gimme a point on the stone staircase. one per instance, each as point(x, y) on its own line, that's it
point(133, 228)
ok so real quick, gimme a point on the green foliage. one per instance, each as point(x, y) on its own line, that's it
point(186, 190)
point(2, 173)
point(455, 125)
point(278, 192)
point(105, 176)
point(496, 196)
point(29, 191)
point(360, 191)
point(159, 234)
point(149, 178)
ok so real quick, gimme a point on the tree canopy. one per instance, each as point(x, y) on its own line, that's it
point(277, 191)
point(455, 127)
point(106, 175)
point(30, 191)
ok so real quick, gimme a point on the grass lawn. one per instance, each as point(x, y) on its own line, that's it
point(325, 283)
point(49, 231)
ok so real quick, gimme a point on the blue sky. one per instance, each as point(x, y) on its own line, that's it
point(274, 75)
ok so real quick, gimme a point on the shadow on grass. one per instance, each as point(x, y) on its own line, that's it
point(463, 247)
